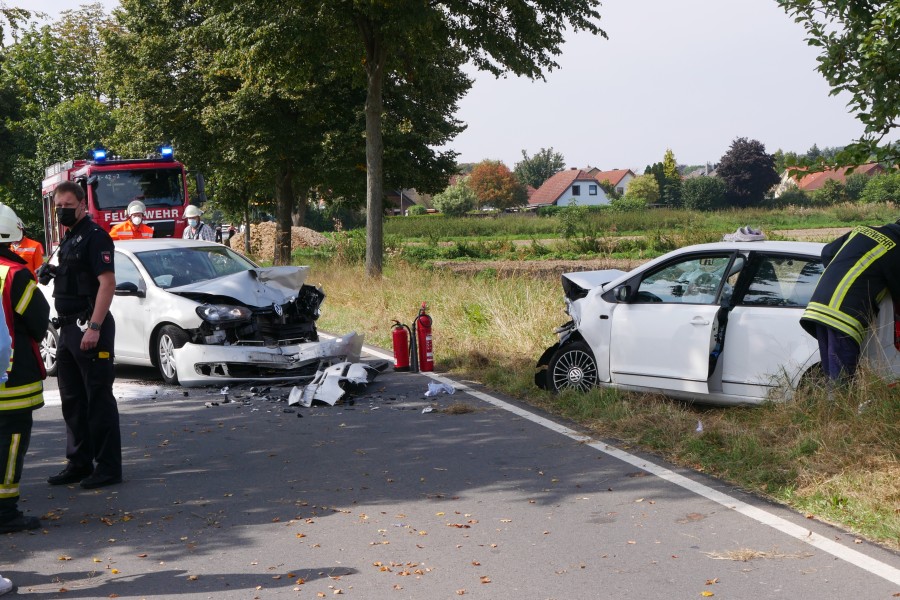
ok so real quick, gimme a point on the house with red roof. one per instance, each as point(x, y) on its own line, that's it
point(809, 182)
point(580, 187)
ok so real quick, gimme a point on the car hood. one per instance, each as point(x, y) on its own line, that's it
point(260, 287)
point(578, 284)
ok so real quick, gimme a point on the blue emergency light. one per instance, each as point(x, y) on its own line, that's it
point(99, 154)
point(166, 152)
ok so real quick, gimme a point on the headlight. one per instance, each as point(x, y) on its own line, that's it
point(223, 313)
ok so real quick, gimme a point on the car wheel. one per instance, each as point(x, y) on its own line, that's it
point(170, 337)
point(573, 367)
point(48, 350)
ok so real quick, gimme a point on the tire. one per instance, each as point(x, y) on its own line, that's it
point(169, 339)
point(48, 350)
point(573, 367)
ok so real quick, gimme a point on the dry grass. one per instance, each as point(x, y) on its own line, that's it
point(816, 453)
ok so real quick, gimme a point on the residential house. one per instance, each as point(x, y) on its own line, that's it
point(809, 182)
point(580, 187)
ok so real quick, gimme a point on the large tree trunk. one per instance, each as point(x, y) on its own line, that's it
point(375, 59)
point(284, 204)
point(298, 215)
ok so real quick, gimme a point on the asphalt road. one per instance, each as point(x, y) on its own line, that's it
point(379, 499)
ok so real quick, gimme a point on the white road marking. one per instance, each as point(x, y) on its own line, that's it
point(854, 557)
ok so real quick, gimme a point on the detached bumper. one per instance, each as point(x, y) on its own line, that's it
point(199, 364)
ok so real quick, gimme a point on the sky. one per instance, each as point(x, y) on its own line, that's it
point(690, 75)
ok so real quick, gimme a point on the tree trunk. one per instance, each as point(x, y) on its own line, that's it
point(247, 226)
point(298, 215)
point(375, 59)
point(284, 203)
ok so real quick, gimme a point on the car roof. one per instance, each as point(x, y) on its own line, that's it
point(805, 248)
point(160, 244)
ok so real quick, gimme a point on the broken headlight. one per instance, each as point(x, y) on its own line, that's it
point(223, 313)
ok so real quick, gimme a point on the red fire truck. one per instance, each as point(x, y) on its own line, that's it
point(160, 183)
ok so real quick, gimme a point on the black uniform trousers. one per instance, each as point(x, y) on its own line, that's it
point(15, 435)
point(88, 404)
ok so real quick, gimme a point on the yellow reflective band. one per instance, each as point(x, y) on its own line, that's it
point(103, 355)
point(20, 390)
point(26, 298)
point(9, 474)
point(837, 321)
point(19, 403)
point(880, 296)
point(9, 491)
point(853, 274)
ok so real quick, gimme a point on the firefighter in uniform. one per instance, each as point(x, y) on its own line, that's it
point(84, 288)
point(132, 228)
point(197, 229)
point(31, 251)
point(26, 318)
point(860, 268)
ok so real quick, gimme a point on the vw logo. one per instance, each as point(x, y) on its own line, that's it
point(278, 310)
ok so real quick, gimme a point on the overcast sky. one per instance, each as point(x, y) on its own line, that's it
point(690, 75)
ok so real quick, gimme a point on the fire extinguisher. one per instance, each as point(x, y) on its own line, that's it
point(422, 331)
point(401, 335)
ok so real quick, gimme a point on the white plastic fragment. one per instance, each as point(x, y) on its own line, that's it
point(427, 409)
point(699, 427)
point(436, 389)
point(329, 385)
point(224, 390)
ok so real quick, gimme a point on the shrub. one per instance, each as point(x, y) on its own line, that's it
point(416, 210)
point(855, 185)
point(882, 188)
point(832, 192)
point(456, 200)
point(628, 203)
point(703, 193)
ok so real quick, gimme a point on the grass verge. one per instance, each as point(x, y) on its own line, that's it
point(817, 454)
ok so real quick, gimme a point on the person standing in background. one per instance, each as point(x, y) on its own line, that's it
point(31, 251)
point(197, 229)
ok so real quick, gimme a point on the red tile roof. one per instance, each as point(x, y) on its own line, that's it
point(556, 186)
point(814, 181)
point(614, 176)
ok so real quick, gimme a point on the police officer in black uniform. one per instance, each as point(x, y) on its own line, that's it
point(84, 288)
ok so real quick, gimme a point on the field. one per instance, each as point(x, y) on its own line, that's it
point(495, 315)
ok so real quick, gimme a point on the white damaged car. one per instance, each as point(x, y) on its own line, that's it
point(716, 323)
point(204, 314)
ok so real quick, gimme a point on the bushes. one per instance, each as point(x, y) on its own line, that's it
point(703, 193)
point(882, 188)
point(416, 210)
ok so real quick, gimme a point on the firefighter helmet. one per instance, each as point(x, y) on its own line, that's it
point(136, 207)
point(9, 225)
point(192, 211)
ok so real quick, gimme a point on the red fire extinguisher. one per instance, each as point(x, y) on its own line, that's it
point(400, 334)
point(422, 330)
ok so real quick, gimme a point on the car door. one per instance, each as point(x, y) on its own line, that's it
point(130, 311)
point(663, 336)
point(764, 344)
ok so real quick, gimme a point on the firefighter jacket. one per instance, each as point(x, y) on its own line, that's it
point(127, 231)
point(27, 317)
point(31, 252)
point(860, 268)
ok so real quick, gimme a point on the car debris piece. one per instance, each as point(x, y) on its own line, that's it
point(436, 389)
point(329, 385)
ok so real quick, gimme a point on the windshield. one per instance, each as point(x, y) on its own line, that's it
point(153, 187)
point(180, 266)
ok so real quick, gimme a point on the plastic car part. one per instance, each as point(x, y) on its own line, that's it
point(330, 384)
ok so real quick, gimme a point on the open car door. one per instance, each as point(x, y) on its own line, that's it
point(664, 333)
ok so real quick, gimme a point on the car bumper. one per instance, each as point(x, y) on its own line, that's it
point(200, 364)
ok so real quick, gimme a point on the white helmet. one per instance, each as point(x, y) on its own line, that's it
point(9, 225)
point(192, 211)
point(135, 207)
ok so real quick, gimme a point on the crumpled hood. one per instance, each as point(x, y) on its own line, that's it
point(260, 287)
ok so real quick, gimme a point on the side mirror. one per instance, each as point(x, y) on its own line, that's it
point(128, 288)
point(623, 294)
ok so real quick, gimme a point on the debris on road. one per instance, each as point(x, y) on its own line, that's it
point(329, 385)
point(435, 389)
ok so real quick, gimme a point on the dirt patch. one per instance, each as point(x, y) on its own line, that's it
point(262, 239)
point(825, 234)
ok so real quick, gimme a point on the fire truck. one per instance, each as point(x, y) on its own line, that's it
point(111, 183)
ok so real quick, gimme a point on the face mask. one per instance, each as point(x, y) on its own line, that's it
point(193, 222)
point(135, 220)
point(66, 216)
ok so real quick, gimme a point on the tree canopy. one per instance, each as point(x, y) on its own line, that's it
point(495, 185)
point(535, 170)
point(857, 42)
point(748, 172)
